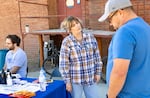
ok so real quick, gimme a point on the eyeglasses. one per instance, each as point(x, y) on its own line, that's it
point(111, 16)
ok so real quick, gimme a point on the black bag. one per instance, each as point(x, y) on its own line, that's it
point(3, 77)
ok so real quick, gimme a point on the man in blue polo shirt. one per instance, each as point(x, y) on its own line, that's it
point(128, 66)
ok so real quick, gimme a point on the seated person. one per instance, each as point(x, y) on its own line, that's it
point(16, 58)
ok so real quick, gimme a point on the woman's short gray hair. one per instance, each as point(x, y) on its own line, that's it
point(68, 22)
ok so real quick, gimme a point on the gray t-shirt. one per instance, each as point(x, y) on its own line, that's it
point(19, 58)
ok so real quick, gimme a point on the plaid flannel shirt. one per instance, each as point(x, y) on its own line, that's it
point(79, 62)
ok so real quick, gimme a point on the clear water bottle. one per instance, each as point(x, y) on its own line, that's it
point(9, 79)
point(42, 80)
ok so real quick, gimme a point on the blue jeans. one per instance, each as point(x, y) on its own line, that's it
point(90, 91)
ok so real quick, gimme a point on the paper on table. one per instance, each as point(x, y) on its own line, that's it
point(32, 87)
point(5, 89)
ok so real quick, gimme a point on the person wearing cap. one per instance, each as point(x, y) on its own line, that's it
point(80, 62)
point(128, 65)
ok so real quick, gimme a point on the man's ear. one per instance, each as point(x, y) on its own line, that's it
point(121, 12)
point(15, 44)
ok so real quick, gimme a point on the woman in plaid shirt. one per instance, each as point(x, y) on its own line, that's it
point(80, 62)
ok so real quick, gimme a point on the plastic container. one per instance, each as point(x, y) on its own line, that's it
point(27, 29)
point(42, 80)
point(3, 77)
point(2, 57)
point(9, 79)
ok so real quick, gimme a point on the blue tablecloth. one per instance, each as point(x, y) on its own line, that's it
point(53, 90)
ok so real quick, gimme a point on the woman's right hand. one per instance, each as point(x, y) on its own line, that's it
point(68, 87)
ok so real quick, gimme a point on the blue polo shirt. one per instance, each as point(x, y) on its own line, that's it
point(132, 41)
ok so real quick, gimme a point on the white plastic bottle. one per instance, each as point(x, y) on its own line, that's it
point(42, 80)
point(9, 79)
point(27, 29)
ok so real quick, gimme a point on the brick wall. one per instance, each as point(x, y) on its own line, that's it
point(9, 20)
point(142, 8)
point(96, 8)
